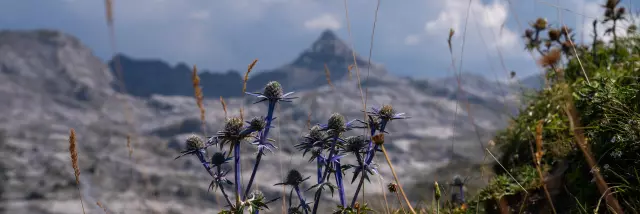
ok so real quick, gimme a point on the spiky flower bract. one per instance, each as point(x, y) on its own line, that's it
point(273, 92)
point(231, 134)
point(194, 143)
point(219, 158)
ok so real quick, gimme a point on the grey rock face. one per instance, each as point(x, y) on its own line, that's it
point(50, 83)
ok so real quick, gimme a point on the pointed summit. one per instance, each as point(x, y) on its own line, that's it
point(328, 48)
point(328, 35)
point(329, 44)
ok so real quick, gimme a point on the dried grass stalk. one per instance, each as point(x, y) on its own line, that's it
point(199, 97)
point(328, 74)
point(246, 75)
point(109, 11)
point(538, 158)
point(74, 162)
point(102, 206)
point(224, 107)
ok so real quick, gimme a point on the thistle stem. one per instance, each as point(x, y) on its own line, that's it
point(325, 174)
point(226, 197)
point(340, 184)
point(200, 155)
point(253, 174)
point(302, 201)
point(236, 160)
point(395, 176)
point(263, 138)
point(369, 157)
point(319, 169)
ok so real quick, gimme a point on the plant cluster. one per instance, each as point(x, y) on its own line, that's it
point(325, 144)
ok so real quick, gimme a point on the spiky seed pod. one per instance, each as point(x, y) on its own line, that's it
point(387, 112)
point(194, 143)
point(273, 90)
point(528, 34)
point(540, 24)
point(337, 122)
point(293, 177)
point(513, 74)
point(355, 144)
point(554, 34)
point(457, 181)
point(436, 190)
point(233, 126)
point(392, 187)
point(621, 11)
point(378, 139)
point(257, 123)
point(218, 159)
point(316, 132)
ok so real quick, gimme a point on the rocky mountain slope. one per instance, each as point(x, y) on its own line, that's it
point(50, 82)
point(307, 71)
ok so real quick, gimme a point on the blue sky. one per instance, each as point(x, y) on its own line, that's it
point(410, 37)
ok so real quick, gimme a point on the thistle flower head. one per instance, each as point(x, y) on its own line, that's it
point(355, 144)
point(194, 143)
point(273, 89)
point(528, 33)
point(294, 178)
point(392, 187)
point(554, 34)
point(540, 24)
point(233, 126)
point(336, 122)
point(378, 139)
point(457, 181)
point(273, 92)
point(232, 132)
point(219, 158)
point(386, 113)
point(316, 133)
point(257, 123)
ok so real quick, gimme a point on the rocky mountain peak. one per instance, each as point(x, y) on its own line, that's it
point(51, 62)
point(328, 43)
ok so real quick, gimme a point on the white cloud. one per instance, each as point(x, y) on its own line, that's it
point(413, 39)
point(489, 17)
point(200, 15)
point(325, 21)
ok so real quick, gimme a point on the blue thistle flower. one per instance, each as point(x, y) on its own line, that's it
point(294, 179)
point(273, 93)
point(196, 147)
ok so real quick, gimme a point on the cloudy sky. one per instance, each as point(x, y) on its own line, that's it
point(410, 35)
